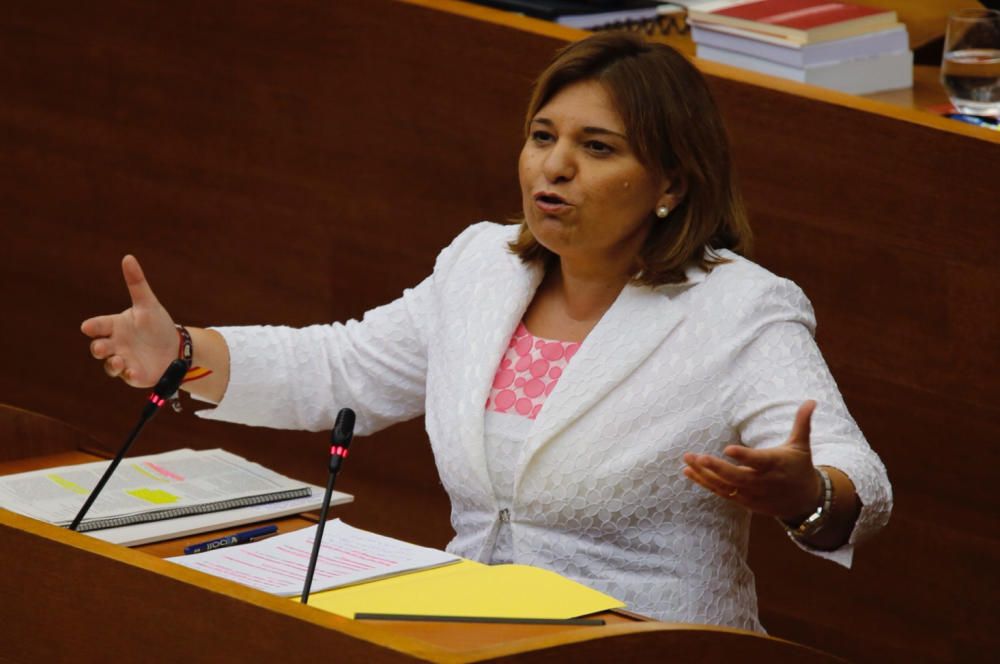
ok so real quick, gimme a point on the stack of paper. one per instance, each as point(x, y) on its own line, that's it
point(839, 45)
point(362, 572)
point(347, 555)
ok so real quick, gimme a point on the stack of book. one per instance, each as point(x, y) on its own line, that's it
point(839, 45)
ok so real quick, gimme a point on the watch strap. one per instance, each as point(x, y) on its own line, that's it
point(813, 523)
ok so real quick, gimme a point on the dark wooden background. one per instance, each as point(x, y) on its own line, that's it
point(302, 161)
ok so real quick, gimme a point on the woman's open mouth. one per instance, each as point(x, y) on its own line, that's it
point(551, 203)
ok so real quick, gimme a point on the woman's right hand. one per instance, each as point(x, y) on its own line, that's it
point(137, 344)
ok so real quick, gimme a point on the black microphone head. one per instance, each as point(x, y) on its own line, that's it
point(171, 379)
point(343, 428)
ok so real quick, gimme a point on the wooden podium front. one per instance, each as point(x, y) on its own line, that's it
point(70, 597)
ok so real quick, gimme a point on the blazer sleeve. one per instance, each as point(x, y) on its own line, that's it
point(778, 366)
point(299, 378)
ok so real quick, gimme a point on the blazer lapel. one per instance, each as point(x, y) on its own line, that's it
point(509, 289)
point(635, 325)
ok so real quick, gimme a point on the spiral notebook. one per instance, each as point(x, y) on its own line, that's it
point(150, 488)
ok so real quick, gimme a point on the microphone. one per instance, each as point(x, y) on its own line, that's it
point(340, 443)
point(340, 438)
point(165, 388)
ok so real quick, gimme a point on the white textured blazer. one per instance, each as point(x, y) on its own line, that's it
point(726, 358)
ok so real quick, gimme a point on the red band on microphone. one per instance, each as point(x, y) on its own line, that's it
point(337, 450)
point(157, 401)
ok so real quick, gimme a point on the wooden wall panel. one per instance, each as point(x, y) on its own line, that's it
point(888, 228)
point(300, 162)
point(265, 166)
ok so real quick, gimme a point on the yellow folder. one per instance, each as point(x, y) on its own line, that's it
point(468, 588)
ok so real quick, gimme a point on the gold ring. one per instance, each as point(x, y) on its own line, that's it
point(733, 492)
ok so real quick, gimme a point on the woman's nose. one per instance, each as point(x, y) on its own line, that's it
point(559, 163)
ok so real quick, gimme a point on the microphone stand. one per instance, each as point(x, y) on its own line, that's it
point(340, 442)
point(165, 388)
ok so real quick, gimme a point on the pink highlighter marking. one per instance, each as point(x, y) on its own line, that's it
point(164, 471)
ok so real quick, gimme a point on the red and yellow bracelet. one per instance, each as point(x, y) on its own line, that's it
point(186, 352)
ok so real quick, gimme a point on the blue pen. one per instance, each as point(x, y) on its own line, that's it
point(979, 121)
point(231, 540)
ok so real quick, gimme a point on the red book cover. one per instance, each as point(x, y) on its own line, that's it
point(798, 14)
point(799, 21)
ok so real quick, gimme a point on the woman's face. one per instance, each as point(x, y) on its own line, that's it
point(586, 196)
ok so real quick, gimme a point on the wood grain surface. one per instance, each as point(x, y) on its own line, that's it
point(80, 599)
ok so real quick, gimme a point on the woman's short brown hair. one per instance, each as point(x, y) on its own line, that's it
point(675, 130)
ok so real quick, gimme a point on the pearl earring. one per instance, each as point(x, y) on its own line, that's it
point(662, 211)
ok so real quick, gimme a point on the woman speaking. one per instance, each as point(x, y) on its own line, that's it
point(610, 388)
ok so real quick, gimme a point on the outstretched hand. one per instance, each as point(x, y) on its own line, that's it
point(779, 481)
point(137, 344)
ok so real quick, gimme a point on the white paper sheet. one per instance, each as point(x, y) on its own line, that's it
point(141, 485)
point(348, 555)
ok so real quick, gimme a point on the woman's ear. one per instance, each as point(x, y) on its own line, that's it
point(674, 189)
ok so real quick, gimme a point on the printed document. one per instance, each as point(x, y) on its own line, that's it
point(145, 488)
point(347, 556)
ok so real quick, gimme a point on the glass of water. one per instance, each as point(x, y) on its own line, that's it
point(970, 70)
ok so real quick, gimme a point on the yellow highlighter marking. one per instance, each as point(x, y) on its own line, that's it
point(66, 484)
point(156, 496)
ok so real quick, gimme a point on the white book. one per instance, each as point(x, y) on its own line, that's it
point(889, 71)
point(782, 51)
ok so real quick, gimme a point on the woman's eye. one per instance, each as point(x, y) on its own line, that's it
point(540, 136)
point(598, 147)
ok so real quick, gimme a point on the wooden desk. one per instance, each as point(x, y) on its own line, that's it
point(98, 585)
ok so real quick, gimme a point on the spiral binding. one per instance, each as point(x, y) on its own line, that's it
point(204, 508)
point(663, 25)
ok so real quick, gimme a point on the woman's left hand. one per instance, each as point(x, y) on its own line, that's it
point(779, 481)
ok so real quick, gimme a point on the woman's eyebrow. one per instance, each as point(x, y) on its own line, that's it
point(586, 130)
point(603, 132)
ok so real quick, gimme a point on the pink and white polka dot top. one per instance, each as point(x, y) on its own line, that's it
point(528, 373)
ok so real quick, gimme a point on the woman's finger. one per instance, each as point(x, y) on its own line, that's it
point(100, 348)
point(114, 365)
point(698, 479)
point(720, 483)
point(138, 288)
point(802, 427)
point(761, 461)
point(710, 481)
point(725, 471)
point(743, 455)
point(98, 326)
